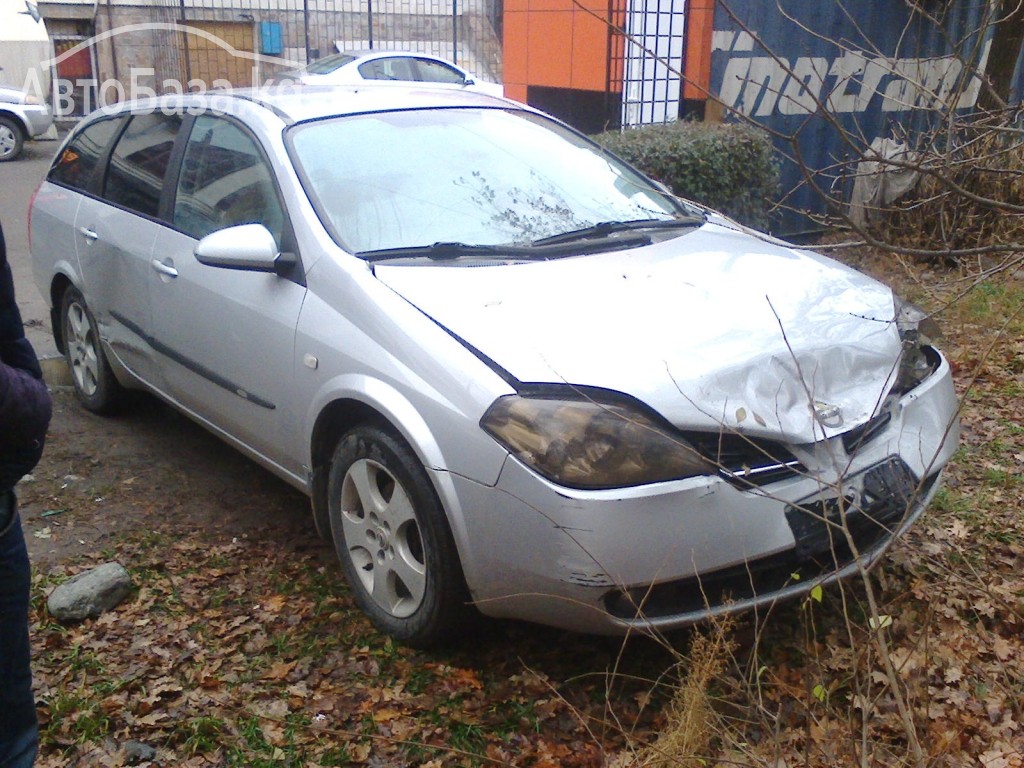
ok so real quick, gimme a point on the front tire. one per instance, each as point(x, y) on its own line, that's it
point(393, 540)
point(12, 140)
point(94, 382)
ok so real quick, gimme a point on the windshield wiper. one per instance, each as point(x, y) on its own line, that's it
point(539, 249)
point(444, 251)
point(605, 228)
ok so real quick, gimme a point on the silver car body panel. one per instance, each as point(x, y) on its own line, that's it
point(372, 346)
point(224, 340)
point(35, 119)
point(713, 327)
point(53, 238)
point(115, 248)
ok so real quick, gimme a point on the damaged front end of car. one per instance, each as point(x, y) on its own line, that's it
point(751, 422)
point(612, 519)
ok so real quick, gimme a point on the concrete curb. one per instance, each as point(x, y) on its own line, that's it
point(55, 371)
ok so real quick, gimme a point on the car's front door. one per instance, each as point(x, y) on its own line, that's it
point(429, 71)
point(226, 337)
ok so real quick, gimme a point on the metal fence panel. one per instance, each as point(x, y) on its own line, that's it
point(198, 43)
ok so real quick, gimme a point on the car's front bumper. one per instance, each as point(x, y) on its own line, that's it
point(585, 560)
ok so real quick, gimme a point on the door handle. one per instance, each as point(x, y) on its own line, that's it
point(88, 234)
point(164, 269)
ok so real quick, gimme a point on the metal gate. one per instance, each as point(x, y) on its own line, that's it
point(653, 60)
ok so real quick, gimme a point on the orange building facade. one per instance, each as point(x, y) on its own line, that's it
point(601, 64)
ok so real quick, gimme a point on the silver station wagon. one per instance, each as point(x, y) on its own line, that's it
point(514, 375)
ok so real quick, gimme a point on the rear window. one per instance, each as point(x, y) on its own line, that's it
point(329, 63)
point(75, 165)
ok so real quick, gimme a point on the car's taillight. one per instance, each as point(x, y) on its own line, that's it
point(31, 205)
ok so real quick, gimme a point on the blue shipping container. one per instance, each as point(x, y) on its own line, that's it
point(828, 77)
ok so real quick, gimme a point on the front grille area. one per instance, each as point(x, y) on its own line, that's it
point(865, 433)
point(874, 510)
point(747, 462)
point(873, 503)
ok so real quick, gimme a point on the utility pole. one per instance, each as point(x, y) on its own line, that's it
point(184, 38)
point(455, 32)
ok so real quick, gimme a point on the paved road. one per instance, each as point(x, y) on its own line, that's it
point(18, 180)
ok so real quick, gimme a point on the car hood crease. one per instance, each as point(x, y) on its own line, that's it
point(712, 328)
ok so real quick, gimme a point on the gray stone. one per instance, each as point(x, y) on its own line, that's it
point(136, 752)
point(90, 593)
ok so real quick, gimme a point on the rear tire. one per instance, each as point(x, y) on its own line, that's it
point(94, 382)
point(12, 139)
point(392, 537)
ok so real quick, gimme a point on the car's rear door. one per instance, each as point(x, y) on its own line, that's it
point(226, 337)
point(74, 176)
point(115, 230)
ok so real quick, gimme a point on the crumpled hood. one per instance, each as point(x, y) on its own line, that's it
point(713, 327)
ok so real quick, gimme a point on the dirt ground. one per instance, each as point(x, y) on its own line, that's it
point(149, 468)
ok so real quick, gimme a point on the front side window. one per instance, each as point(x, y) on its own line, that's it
point(75, 165)
point(224, 181)
point(138, 164)
point(478, 176)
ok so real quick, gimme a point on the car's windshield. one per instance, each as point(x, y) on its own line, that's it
point(479, 176)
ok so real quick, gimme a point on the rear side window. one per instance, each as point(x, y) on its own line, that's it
point(224, 181)
point(139, 162)
point(75, 165)
point(436, 72)
point(397, 68)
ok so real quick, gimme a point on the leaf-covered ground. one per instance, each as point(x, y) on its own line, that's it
point(238, 653)
point(241, 645)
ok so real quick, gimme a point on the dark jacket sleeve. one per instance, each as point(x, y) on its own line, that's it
point(15, 349)
point(24, 416)
point(25, 405)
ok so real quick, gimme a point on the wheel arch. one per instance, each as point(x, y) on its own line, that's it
point(369, 401)
point(14, 116)
point(58, 287)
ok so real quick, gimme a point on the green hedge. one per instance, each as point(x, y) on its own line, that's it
point(727, 167)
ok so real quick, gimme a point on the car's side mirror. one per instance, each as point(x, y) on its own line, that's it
point(247, 246)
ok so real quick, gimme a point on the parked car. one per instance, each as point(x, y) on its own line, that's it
point(510, 371)
point(22, 117)
point(353, 67)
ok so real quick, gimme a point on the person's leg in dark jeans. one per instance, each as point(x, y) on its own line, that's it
point(19, 736)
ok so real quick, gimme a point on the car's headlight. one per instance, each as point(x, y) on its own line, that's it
point(917, 332)
point(31, 99)
point(586, 443)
